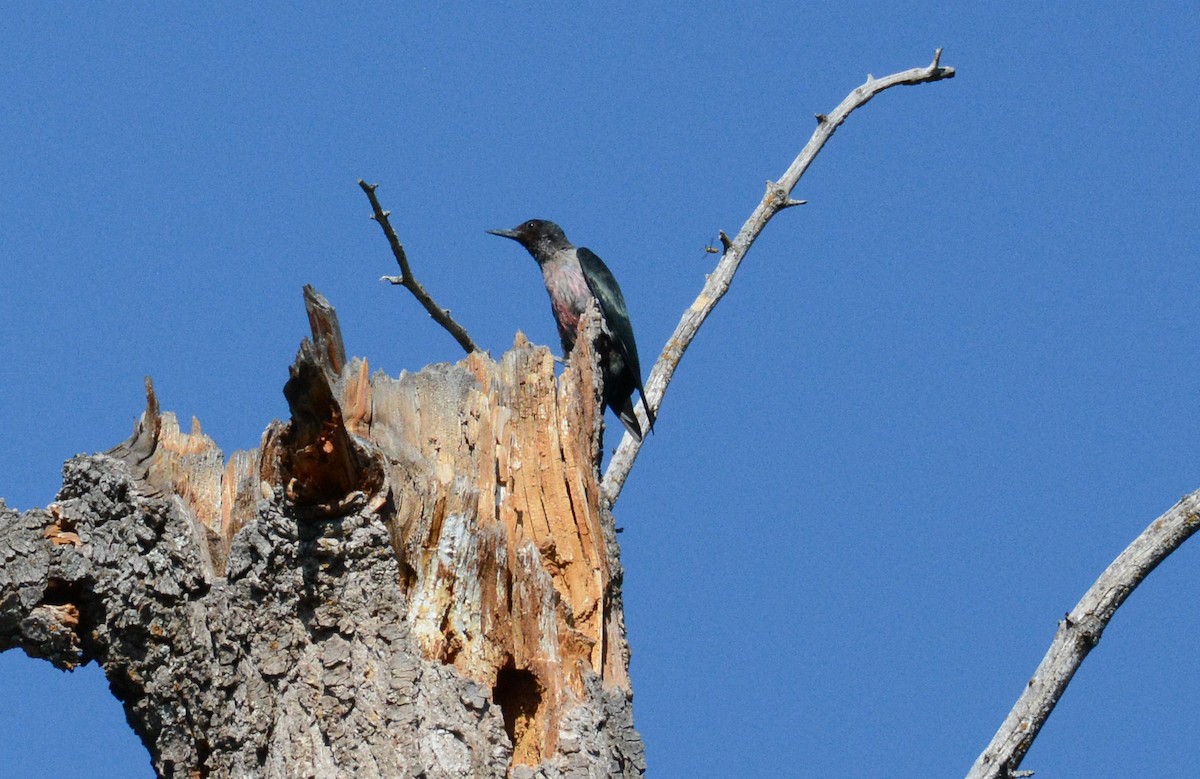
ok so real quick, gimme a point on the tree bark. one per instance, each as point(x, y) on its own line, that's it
point(414, 576)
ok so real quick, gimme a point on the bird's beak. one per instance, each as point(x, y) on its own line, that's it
point(513, 234)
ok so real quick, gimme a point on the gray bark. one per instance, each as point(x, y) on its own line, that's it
point(279, 624)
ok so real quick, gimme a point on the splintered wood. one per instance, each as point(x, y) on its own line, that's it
point(498, 524)
point(486, 474)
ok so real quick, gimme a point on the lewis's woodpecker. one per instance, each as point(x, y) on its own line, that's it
point(574, 276)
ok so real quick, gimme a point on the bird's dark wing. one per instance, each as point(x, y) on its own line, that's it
point(612, 304)
point(616, 314)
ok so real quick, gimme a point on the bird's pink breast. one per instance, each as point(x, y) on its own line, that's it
point(569, 296)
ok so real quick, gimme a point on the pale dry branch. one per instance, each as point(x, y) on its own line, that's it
point(408, 281)
point(776, 199)
point(1078, 633)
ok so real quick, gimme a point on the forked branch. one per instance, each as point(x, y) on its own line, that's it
point(1078, 633)
point(406, 278)
point(777, 198)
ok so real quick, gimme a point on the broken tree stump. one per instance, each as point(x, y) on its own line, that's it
point(413, 576)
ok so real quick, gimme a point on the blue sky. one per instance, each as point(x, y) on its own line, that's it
point(937, 401)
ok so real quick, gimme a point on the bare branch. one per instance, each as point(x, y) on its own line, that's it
point(1078, 633)
point(777, 198)
point(408, 281)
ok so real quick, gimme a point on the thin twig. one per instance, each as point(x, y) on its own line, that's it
point(408, 281)
point(1078, 633)
point(776, 199)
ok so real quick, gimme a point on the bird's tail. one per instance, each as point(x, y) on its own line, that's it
point(646, 405)
point(628, 416)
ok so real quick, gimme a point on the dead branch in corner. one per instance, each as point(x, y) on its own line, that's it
point(408, 281)
point(1078, 633)
point(776, 199)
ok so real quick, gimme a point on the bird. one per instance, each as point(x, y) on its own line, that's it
point(574, 276)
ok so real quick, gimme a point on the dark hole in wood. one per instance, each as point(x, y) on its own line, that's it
point(519, 696)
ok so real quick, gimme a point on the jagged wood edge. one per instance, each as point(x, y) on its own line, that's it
point(776, 199)
point(1080, 631)
point(408, 281)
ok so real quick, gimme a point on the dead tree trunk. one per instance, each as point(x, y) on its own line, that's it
point(414, 577)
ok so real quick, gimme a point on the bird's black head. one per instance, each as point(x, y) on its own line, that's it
point(535, 235)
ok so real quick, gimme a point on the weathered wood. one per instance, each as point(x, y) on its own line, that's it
point(778, 197)
point(412, 577)
point(1078, 633)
